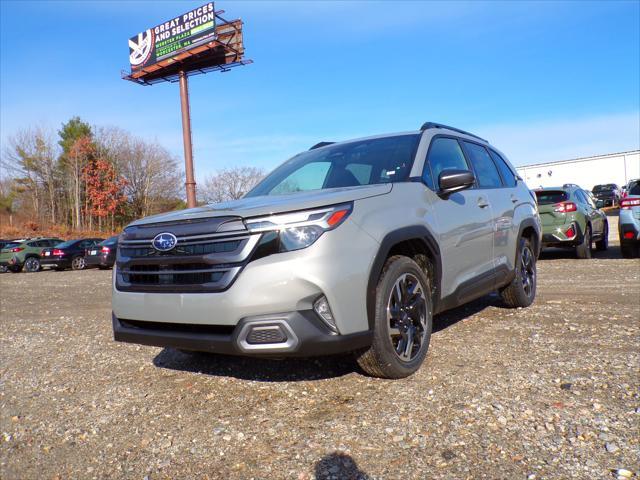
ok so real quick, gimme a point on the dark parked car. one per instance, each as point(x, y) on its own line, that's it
point(102, 255)
point(607, 195)
point(69, 254)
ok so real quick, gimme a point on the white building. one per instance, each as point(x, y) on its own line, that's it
point(616, 168)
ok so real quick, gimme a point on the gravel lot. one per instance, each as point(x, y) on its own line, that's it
point(551, 391)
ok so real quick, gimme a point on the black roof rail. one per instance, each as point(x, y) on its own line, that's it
point(321, 144)
point(429, 125)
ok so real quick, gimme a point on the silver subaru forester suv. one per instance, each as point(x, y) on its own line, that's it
point(348, 247)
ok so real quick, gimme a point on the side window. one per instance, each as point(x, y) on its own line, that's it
point(444, 153)
point(486, 171)
point(85, 244)
point(586, 199)
point(508, 177)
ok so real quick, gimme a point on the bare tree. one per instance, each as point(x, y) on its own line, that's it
point(230, 183)
point(151, 172)
point(31, 160)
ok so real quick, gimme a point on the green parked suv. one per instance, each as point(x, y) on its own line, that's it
point(571, 219)
point(25, 254)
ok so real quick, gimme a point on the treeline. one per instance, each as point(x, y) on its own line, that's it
point(86, 178)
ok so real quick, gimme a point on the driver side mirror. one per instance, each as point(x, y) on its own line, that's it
point(454, 180)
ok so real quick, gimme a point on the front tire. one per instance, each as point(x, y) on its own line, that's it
point(521, 292)
point(583, 250)
point(403, 321)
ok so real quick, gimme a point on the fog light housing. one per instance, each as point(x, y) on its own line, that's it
point(322, 308)
point(570, 233)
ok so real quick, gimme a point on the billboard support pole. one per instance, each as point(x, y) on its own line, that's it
point(186, 138)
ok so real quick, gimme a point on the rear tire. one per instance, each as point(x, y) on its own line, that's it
point(403, 321)
point(78, 263)
point(583, 250)
point(15, 268)
point(521, 292)
point(603, 243)
point(32, 264)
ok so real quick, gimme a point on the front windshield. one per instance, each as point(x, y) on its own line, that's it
point(603, 188)
point(365, 162)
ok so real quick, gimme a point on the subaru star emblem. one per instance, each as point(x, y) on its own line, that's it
point(163, 242)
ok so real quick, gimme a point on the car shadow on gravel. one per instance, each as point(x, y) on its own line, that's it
point(258, 369)
point(296, 369)
point(445, 320)
point(612, 253)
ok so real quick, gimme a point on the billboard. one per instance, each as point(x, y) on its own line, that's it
point(172, 37)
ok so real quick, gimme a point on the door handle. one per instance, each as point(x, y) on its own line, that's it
point(482, 203)
point(514, 199)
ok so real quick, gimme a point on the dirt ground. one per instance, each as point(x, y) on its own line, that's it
point(551, 391)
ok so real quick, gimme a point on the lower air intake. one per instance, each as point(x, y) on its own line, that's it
point(266, 334)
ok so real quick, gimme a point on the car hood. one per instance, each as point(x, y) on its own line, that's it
point(267, 205)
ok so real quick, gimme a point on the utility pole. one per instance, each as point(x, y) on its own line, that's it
point(186, 138)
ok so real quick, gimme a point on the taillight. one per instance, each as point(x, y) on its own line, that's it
point(106, 249)
point(17, 249)
point(57, 251)
point(627, 203)
point(629, 235)
point(565, 207)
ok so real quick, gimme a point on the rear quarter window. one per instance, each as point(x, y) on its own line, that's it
point(549, 197)
point(634, 188)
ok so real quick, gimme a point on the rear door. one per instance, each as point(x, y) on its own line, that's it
point(502, 196)
point(595, 215)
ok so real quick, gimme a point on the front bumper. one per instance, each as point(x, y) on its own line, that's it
point(337, 265)
point(298, 334)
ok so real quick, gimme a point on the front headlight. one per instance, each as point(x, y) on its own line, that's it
point(298, 230)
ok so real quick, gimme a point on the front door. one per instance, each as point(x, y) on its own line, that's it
point(464, 223)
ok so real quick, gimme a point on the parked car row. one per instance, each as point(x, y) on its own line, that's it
point(572, 217)
point(629, 220)
point(34, 254)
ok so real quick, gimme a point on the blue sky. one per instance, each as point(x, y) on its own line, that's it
point(541, 80)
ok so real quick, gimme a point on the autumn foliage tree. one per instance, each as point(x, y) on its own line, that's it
point(104, 190)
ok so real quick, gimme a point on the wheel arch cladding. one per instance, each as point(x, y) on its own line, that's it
point(409, 241)
point(529, 229)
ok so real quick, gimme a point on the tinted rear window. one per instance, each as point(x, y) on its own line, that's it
point(110, 241)
point(67, 244)
point(634, 188)
point(12, 245)
point(549, 197)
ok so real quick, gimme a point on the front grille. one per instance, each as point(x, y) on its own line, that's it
point(182, 249)
point(202, 261)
